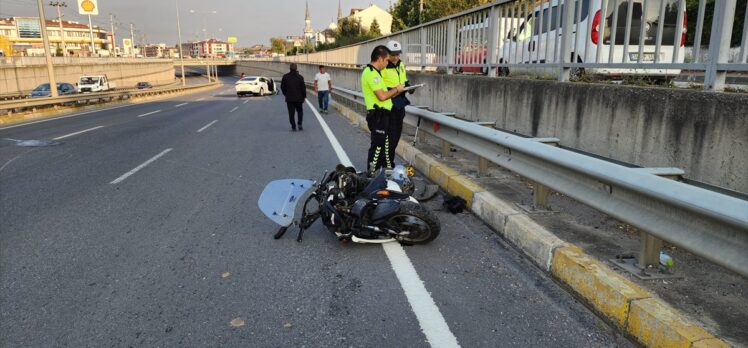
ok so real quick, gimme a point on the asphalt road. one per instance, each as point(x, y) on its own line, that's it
point(175, 249)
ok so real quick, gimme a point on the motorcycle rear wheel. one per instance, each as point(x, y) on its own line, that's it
point(423, 226)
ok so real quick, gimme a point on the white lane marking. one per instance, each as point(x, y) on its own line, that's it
point(136, 169)
point(149, 113)
point(178, 105)
point(61, 117)
point(432, 323)
point(245, 101)
point(234, 109)
point(201, 99)
point(431, 320)
point(333, 140)
point(76, 133)
point(206, 126)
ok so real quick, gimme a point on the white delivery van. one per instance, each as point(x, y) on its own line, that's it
point(94, 83)
point(534, 38)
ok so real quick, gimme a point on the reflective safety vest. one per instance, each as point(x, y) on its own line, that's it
point(395, 74)
point(372, 80)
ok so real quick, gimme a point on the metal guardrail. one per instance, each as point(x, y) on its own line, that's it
point(27, 103)
point(608, 37)
point(709, 224)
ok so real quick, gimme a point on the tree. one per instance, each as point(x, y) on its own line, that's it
point(278, 45)
point(374, 29)
point(692, 9)
point(406, 13)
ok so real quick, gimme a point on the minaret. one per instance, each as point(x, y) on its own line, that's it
point(340, 11)
point(308, 22)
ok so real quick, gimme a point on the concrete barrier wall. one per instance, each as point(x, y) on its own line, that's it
point(705, 134)
point(124, 75)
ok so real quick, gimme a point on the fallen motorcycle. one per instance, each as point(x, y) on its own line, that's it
point(354, 207)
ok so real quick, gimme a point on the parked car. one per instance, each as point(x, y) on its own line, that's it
point(534, 41)
point(43, 90)
point(257, 85)
point(143, 85)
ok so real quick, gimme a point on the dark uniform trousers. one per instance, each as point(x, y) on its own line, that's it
point(378, 121)
point(395, 131)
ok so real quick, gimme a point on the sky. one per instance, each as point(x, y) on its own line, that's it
point(251, 21)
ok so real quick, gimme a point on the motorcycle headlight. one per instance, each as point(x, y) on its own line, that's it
point(400, 175)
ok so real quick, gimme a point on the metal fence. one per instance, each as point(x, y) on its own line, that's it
point(606, 37)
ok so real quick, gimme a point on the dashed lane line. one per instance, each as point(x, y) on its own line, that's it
point(136, 169)
point(76, 133)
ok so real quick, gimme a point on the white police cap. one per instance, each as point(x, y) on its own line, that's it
point(394, 47)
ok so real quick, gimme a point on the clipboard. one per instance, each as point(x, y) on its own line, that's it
point(410, 88)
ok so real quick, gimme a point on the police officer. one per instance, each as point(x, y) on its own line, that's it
point(394, 74)
point(378, 109)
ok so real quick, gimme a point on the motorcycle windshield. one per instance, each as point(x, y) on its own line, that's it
point(279, 198)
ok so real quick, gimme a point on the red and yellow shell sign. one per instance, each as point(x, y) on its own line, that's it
point(88, 7)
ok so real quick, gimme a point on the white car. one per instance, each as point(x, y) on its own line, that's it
point(534, 41)
point(257, 85)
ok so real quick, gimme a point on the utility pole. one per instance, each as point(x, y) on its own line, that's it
point(179, 30)
point(59, 19)
point(132, 40)
point(47, 54)
point(90, 31)
point(114, 37)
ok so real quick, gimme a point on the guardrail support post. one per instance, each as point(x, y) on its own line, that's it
point(451, 37)
point(540, 197)
point(540, 192)
point(482, 167)
point(719, 44)
point(445, 148)
point(649, 250)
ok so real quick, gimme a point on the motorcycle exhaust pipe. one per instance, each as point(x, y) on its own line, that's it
point(372, 241)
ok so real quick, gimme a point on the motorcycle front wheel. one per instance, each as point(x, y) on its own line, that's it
point(421, 225)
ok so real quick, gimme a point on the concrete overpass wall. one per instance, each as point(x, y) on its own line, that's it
point(706, 134)
point(21, 79)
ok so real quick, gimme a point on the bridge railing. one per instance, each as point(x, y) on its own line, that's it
point(14, 61)
point(710, 224)
point(605, 37)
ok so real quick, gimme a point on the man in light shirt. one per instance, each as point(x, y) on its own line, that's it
point(323, 86)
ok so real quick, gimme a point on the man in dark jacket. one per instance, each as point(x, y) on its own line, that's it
point(293, 87)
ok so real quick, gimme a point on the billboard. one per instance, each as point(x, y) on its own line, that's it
point(127, 44)
point(29, 28)
point(232, 39)
point(88, 7)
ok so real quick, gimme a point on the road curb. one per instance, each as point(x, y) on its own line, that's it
point(632, 309)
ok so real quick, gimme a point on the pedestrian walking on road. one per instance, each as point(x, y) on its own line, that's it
point(323, 87)
point(293, 87)
point(378, 109)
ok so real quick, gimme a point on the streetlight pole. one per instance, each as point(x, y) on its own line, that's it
point(59, 19)
point(179, 30)
point(47, 54)
point(114, 37)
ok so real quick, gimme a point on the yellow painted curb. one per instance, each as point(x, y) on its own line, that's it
point(461, 186)
point(608, 292)
point(440, 174)
point(424, 162)
point(656, 324)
